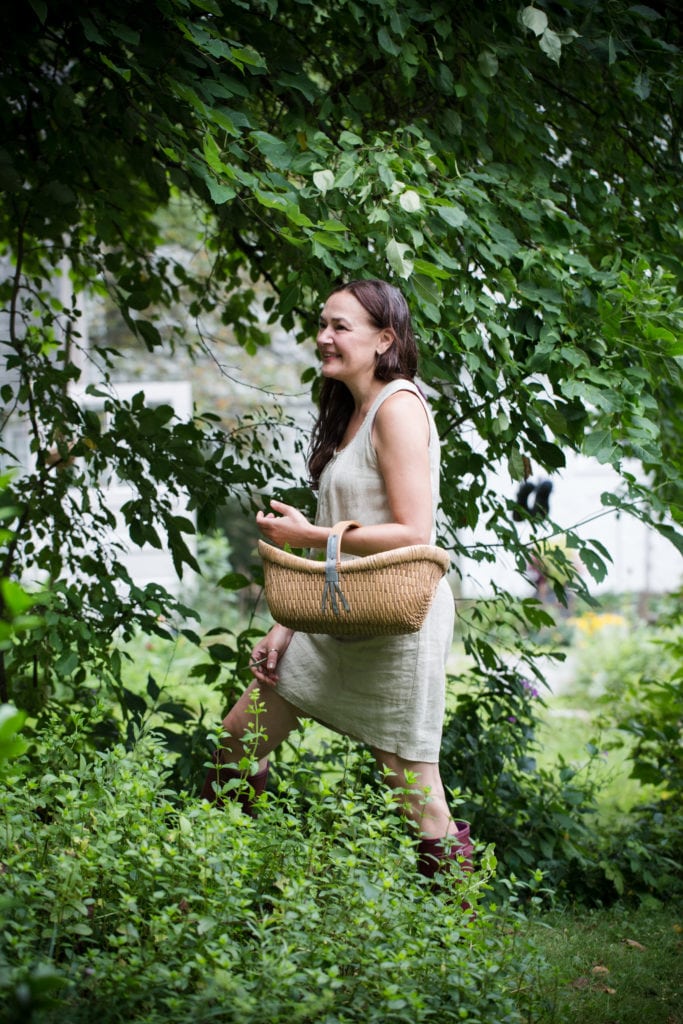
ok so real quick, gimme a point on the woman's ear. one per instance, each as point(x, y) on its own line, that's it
point(385, 341)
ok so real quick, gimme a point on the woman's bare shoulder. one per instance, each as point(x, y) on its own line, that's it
point(402, 412)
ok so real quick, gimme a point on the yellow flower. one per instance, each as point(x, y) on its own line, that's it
point(592, 622)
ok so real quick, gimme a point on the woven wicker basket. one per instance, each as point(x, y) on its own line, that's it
point(386, 594)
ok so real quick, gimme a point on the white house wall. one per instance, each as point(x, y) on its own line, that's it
point(643, 562)
point(148, 564)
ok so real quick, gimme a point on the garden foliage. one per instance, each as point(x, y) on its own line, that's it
point(515, 169)
point(126, 904)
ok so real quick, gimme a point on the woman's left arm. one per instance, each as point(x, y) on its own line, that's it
point(401, 439)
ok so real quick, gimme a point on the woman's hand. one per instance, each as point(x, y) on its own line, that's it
point(266, 654)
point(285, 525)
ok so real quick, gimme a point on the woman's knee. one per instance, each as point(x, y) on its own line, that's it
point(403, 774)
point(261, 714)
point(241, 714)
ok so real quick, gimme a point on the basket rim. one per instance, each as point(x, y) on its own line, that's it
point(380, 560)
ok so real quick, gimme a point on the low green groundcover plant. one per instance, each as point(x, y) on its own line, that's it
point(123, 902)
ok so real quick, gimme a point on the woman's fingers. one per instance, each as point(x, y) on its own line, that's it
point(263, 664)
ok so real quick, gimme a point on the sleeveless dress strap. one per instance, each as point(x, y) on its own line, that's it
point(392, 388)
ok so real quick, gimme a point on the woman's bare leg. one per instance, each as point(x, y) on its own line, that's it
point(257, 724)
point(421, 794)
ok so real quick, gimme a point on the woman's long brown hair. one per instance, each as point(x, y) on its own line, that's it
point(386, 306)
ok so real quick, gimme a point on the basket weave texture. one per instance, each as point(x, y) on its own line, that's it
point(388, 594)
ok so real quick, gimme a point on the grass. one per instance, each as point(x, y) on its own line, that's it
point(615, 966)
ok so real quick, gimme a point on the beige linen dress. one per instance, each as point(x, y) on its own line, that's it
point(387, 692)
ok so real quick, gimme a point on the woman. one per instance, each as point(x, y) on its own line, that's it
point(374, 458)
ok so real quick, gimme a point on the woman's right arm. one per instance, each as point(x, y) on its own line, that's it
point(267, 653)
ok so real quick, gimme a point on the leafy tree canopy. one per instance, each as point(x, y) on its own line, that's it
point(516, 170)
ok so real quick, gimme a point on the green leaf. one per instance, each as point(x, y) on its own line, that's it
point(601, 549)
point(432, 270)
point(672, 534)
point(138, 300)
point(149, 333)
point(595, 564)
point(534, 19)
point(296, 216)
point(409, 201)
point(11, 723)
point(15, 598)
point(349, 140)
point(641, 85)
point(275, 150)
point(40, 8)
point(454, 215)
point(129, 36)
point(247, 55)
point(397, 256)
point(387, 43)
point(79, 928)
point(551, 45)
point(645, 12)
point(221, 652)
point(516, 465)
point(124, 73)
point(323, 180)
point(488, 64)
point(90, 32)
point(346, 178)
point(220, 193)
point(599, 445)
point(234, 581)
point(212, 154)
point(153, 689)
point(331, 240)
point(332, 225)
point(302, 83)
point(67, 664)
point(182, 523)
point(555, 419)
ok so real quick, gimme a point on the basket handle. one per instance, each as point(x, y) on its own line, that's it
point(335, 538)
point(332, 589)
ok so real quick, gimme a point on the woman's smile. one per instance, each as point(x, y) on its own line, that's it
point(348, 341)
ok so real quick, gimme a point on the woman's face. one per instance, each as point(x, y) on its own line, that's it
point(348, 341)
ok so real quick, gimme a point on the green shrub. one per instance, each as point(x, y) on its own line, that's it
point(127, 903)
point(538, 818)
point(628, 675)
point(649, 715)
